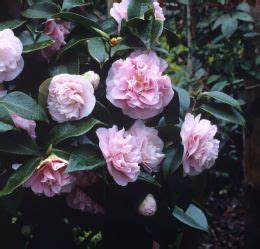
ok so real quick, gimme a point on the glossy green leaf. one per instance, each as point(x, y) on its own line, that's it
point(242, 16)
point(69, 4)
point(71, 129)
point(19, 144)
point(138, 8)
point(226, 114)
point(4, 127)
point(184, 98)
point(172, 161)
point(229, 26)
point(43, 93)
point(23, 105)
point(97, 50)
point(31, 45)
point(20, 176)
point(193, 217)
point(41, 10)
point(68, 65)
point(12, 24)
point(222, 97)
point(148, 178)
point(87, 157)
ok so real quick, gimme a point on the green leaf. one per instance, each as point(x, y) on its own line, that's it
point(70, 45)
point(83, 21)
point(138, 8)
point(242, 16)
point(185, 2)
point(172, 111)
point(43, 93)
point(245, 7)
point(229, 26)
point(41, 10)
point(23, 105)
point(222, 97)
point(193, 217)
point(146, 177)
point(5, 127)
point(69, 4)
point(73, 129)
point(69, 65)
point(172, 160)
point(12, 24)
point(20, 176)
point(222, 1)
point(61, 153)
point(184, 99)
point(19, 144)
point(226, 114)
point(31, 45)
point(97, 50)
point(86, 157)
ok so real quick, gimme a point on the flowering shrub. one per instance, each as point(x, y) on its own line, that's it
point(103, 112)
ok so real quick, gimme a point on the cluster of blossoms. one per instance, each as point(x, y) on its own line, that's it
point(138, 86)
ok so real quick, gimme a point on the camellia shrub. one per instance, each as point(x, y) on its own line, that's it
point(94, 134)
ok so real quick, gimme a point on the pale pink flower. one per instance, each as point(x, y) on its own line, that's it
point(200, 147)
point(11, 60)
point(137, 85)
point(148, 207)
point(25, 124)
point(77, 199)
point(122, 154)
point(71, 97)
point(50, 178)
point(155, 245)
point(57, 30)
point(119, 11)
point(151, 145)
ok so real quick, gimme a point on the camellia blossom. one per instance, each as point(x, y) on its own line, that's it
point(11, 60)
point(79, 200)
point(50, 178)
point(25, 124)
point(137, 86)
point(151, 145)
point(148, 207)
point(57, 30)
point(119, 11)
point(93, 77)
point(200, 147)
point(71, 97)
point(122, 154)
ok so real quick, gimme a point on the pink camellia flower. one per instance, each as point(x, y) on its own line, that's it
point(119, 11)
point(200, 147)
point(148, 207)
point(151, 145)
point(50, 177)
point(137, 86)
point(25, 124)
point(122, 154)
point(57, 30)
point(155, 245)
point(71, 97)
point(11, 60)
point(93, 77)
point(77, 199)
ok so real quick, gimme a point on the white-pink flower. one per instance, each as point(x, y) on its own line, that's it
point(151, 145)
point(137, 85)
point(148, 207)
point(11, 60)
point(50, 178)
point(122, 154)
point(77, 199)
point(57, 30)
point(119, 11)
point(25, 124)
point(71, 97)
point(200, 147)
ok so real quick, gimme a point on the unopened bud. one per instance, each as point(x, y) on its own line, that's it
point(93, 78)
point(148, 207)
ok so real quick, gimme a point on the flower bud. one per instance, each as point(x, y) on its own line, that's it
point(148, 207)
point(93, 78)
